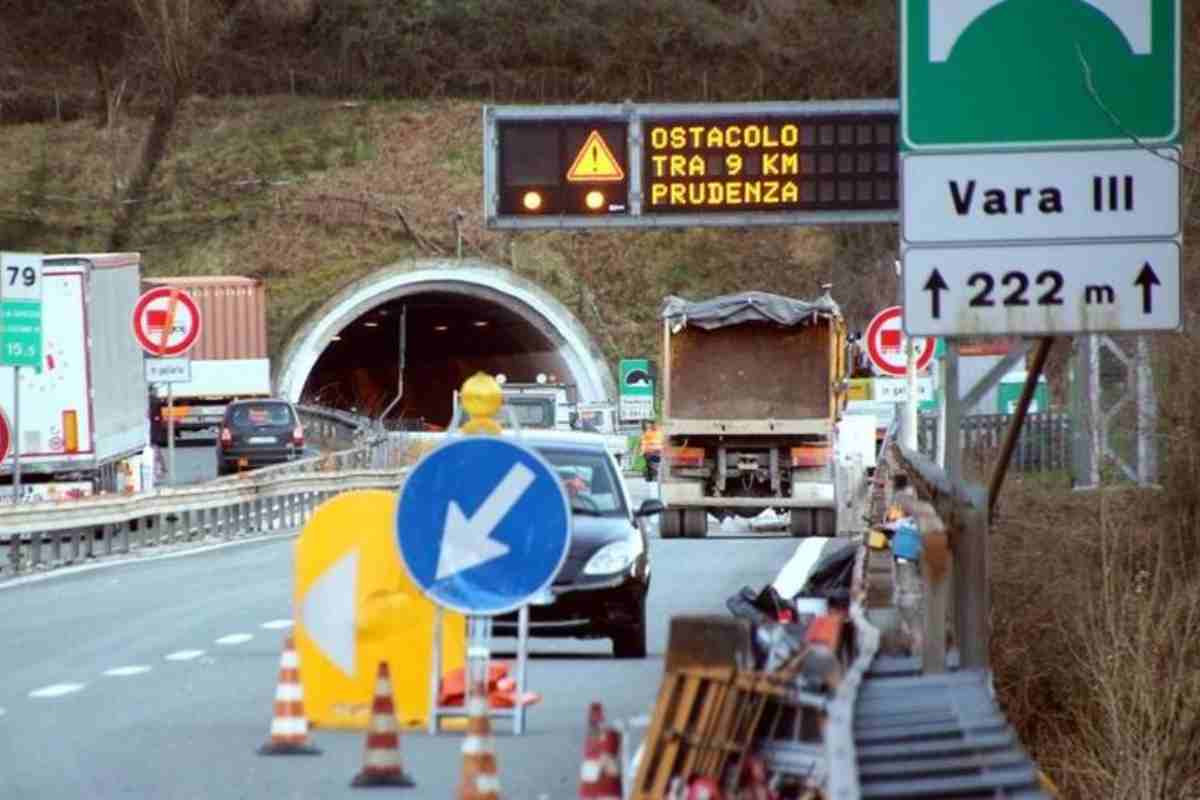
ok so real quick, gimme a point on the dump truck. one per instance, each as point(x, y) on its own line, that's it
point(754, 386)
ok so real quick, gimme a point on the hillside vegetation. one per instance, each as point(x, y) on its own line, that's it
point(309, 142)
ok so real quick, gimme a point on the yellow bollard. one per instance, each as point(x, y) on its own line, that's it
point(481, 399)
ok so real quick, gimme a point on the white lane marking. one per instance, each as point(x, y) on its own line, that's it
point(125, 672)
point(2, 712)
point(235, 638)
point(795, 572)
point(183, 655)
point(277, 624)
point(57, 690)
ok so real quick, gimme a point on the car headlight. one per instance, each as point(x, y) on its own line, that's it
point(614, 557)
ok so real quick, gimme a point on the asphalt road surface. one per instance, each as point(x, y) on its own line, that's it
point(156, 678)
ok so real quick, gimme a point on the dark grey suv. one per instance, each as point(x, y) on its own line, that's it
point(255, 433)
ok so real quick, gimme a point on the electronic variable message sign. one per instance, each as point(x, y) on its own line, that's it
point(771, 163)
point(689, 165)
point(573, 167)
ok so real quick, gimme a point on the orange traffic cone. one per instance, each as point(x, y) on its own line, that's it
point(600, 773)
point(289, 726)
point(381, 766)
point(479, 779)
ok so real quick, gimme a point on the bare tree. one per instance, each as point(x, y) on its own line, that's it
point(183, 34)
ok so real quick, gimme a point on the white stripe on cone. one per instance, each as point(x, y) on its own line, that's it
point(383, 687)
point(383, 723)
point(477, 706)
point(286, 692)
point(385, 757)
point(289, 726)
point(487, 783)
point(289, 660)
point(476, 745)
point(589, 771)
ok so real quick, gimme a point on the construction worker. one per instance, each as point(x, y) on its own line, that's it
point(651, 448)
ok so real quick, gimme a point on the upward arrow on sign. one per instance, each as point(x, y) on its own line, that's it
point(935, 286)
point(1147, 280)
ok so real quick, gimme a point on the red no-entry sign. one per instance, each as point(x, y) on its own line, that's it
point(5, 436)
point(886, 342)
point(166, 321)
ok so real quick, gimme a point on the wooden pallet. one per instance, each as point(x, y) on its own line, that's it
point(704, 723)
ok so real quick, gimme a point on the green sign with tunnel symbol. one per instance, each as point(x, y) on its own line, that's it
point(1030, 73)
point(636, 389)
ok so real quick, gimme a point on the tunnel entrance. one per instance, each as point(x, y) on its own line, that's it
point(458, 317)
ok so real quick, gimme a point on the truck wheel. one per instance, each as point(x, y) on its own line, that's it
point(800, 522)
point(825, 522)
point(695, 523)
point(670, 524)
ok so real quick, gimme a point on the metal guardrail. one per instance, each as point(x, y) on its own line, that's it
point(40, 536)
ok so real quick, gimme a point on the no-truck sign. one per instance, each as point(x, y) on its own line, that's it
point(885, 339)
point(166, 321)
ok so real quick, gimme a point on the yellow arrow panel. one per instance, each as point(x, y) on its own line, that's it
point(595, 162)
point(355, 605)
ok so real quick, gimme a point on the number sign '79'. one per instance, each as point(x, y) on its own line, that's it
point(21, 310)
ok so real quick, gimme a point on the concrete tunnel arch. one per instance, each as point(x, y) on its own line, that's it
point(471, 279)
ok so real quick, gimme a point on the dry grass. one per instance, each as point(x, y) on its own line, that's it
point(1096, 617)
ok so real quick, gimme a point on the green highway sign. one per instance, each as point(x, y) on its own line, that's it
point(636, 391)
point(1038, 73)
point(21, 310)
point(637, 380)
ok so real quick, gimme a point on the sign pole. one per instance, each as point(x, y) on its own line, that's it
point(16, 434)
point(910, 403)
point(479, 651)
point(171, 433)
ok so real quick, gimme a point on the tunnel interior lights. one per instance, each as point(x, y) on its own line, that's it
point(594, 200)
point(480, 323)
point(501, 379)
point(335, 339)
point(371, 324)
point(541, 377)
point(441, 328)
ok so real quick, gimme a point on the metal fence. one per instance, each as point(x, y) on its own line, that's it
point(45, 535)
point(40, 536)
point(1043, 446)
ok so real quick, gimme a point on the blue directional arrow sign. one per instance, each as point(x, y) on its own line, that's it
point(483, 525)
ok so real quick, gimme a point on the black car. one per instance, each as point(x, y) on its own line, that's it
point(602, 586)
point(255, 433)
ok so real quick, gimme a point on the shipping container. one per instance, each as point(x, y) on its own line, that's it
point(85, 410)
point(230, 358)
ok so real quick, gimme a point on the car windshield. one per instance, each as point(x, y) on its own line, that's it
point(530, 412)
point(261, 414)
point(589, 481)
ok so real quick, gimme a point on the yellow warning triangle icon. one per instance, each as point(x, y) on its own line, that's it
point(595, 162)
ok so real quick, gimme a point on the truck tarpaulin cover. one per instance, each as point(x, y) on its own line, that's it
point(737, 309)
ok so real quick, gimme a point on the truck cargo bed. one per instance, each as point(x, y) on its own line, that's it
point(750, 372)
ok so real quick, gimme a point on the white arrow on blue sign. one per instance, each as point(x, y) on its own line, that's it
point(483, 525)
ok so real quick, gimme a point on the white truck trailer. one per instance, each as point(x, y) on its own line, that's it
point(82, 418)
